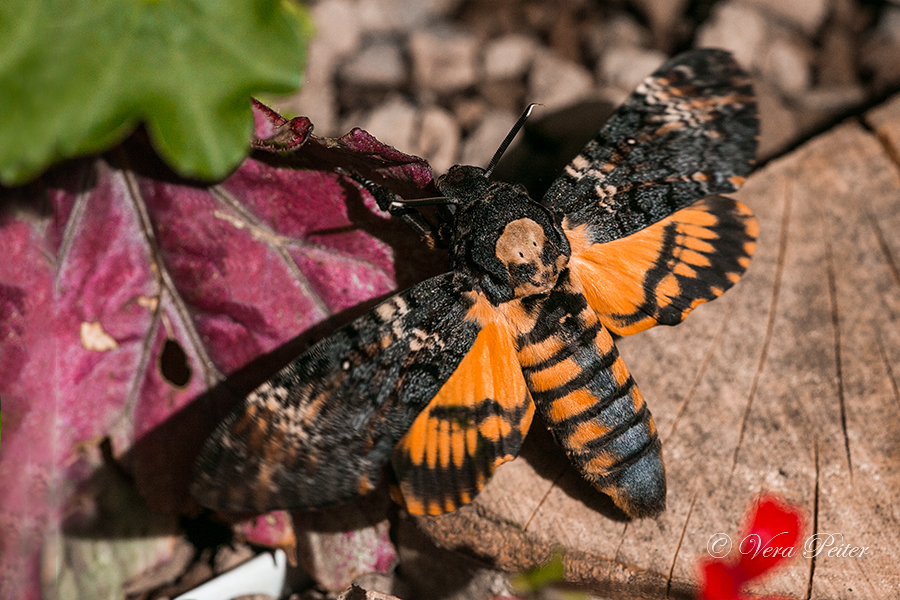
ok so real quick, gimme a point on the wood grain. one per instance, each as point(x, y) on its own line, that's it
point(789, 383)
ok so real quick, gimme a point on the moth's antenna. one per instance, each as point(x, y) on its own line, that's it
point(509, 138)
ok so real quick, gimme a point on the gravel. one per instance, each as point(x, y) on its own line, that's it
point(437, 77)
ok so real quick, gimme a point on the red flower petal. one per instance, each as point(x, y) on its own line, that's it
point(718, 581)
point(771, 538)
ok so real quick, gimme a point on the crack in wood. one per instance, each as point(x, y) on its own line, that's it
point(678, 547)
point(885, 249)
point(815, 540)
point(882, 352)
point(770, 320)
point(860, 567)
point(838, 362)
point(884, 139)
point(895, 271)
point(544, 497)
point(707, 358)
point(619, 545)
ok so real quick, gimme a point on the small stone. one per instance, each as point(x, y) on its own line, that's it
point(443, 58)
point(849, 15)
point(563, 37)
point(484, 141)
point(556, 83)
point(626, 68)
point(378, 65)
point(509, 56)
point(879, 53)
point(614, 96)
point(438, 140)
point(320, 64)
point(380, 587)
point(469, 111)
point(392, 123)
point(735, 27)
point(398, 16)
point(620, 31)
point(835, 61)
point(889, 25)
point(338, 26)
point(777, 124)
point(882, 59)
point(808, 15)
point(663, 15)
point(506, 94)
point(833, 99)
point(338, 34)
point(786, 64)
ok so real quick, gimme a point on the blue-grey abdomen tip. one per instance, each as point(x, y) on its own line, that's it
point(641, 487)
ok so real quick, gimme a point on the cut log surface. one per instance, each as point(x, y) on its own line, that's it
point(789, 383)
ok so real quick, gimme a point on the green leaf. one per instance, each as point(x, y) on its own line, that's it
point(541, 576)
point(545, 581)
point(78, 76)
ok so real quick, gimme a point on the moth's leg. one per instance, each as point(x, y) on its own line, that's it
point(390, 202)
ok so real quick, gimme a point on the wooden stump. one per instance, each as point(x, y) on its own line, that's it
point(789, 383)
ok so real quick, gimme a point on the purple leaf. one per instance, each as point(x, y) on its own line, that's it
point(127, 296)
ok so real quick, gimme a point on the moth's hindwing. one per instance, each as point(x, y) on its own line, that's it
point(661, 273)
point(476, 422)
point(322, 430)
point(688, 131)
point(586, 395)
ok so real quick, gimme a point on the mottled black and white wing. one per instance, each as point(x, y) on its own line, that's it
point(322, 429)
point(688, 131)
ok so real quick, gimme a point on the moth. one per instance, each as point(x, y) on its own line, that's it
point(442, 380)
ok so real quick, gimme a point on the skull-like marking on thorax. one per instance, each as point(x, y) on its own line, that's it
point(532, 261)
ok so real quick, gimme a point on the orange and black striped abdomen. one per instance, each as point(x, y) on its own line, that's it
point(589, 400)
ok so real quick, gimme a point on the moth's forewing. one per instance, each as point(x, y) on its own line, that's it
point(322, 430)
point(688, 131)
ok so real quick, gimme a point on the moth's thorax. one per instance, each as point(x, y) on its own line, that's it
point(532, 260)
point(508, 245)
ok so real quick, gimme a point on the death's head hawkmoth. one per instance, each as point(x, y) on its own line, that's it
point(441, 381)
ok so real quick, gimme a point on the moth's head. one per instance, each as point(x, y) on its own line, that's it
point(464, 184)
point(512, 246)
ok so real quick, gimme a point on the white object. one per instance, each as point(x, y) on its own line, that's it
point(261, 575)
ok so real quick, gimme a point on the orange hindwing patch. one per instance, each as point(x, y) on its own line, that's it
point(662, 272)
point(476, 422)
